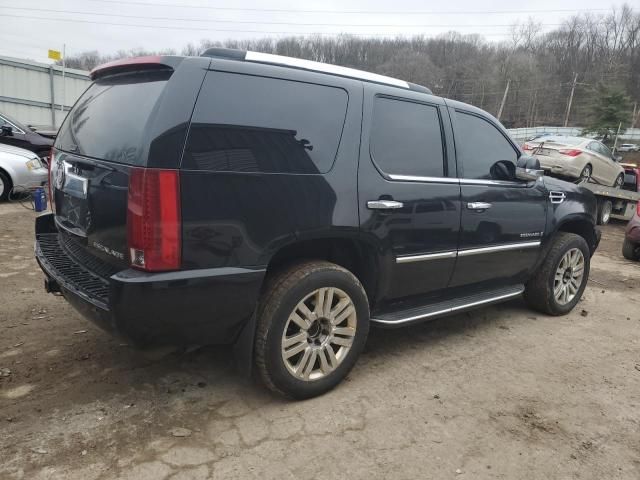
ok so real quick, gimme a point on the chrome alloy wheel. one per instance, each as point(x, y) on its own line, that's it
point(319, 333)
point(568, 277)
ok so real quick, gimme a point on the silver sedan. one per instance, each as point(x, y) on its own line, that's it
point(20, 170)
point(577, 157)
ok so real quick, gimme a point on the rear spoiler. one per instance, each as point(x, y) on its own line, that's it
point(136, 63)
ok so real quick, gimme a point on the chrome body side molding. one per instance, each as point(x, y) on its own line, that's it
point(498, 248)
point(467, 252)
point(428, 256)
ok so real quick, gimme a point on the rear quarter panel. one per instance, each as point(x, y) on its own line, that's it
point(242, 219)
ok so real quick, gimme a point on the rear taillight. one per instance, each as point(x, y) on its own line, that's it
point(638, 208)
point(526, 146)
point(50, 184)
point(570, 152)
point(153, 219)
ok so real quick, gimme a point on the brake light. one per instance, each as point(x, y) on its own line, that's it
point(153, 219)
point(526, 146)
point(148, 62)
point(638, 208)
point(50, 184)
point(570, 152)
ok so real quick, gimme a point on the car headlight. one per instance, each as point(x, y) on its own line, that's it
point(34, 164)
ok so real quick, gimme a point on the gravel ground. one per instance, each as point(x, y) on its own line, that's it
point(501, 392)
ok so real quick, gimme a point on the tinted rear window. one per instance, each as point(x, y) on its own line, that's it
point(406, 138)
point(246, 123)
point(109, 120)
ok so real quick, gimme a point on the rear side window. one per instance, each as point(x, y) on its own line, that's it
point(109, 120)
point(479, 145)
point(406, 138)
point(246, 123)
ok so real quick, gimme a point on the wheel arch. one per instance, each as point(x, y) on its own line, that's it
point(583, 226)
point(350, 252)
point(7, 173)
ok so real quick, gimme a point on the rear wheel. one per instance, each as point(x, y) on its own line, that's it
point(604, 211)
point(630, 250)
point(313, 322)
point(586, 172)
point(619, 181)
point(5, 186)
point(560, 280)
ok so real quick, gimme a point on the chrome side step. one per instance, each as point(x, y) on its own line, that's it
point(427, 312)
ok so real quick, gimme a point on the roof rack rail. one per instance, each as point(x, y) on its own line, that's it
point(268, 58)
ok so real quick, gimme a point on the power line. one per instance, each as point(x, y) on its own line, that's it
point(369, 12)
point(201, 20)
point(169, 27)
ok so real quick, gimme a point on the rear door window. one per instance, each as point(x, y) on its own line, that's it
point(109, 120)
point(406, 138)
point(246, 123)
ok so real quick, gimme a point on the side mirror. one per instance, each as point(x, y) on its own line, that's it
point(528, 168)
point(503, 170)
point(7, 131)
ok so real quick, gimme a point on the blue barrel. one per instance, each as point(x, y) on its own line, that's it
point(40, 199)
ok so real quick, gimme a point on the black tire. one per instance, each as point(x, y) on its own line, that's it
point(604, 211)
point(619, 181)
point(630, 250)
point(7, 185)
point(539, 291)
point(586, 173)
point(282, 294)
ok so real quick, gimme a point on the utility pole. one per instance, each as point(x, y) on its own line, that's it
point(504, 98)
point(615, 142)
point(64, 86)
point(573, 88)
point(636, 114)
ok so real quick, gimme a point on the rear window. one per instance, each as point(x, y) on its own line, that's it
point(109, 120)
point(245, 123)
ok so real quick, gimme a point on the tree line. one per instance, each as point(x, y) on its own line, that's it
point(591, 55)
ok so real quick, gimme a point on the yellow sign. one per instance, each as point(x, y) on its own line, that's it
point(54, 55)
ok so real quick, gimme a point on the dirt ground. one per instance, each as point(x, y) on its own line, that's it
point(500, 393)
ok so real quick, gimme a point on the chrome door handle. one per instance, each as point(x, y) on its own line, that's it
point(384, 204)
point(478, 205)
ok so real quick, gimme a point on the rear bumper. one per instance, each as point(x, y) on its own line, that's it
point(205, 306)
point(565, 167)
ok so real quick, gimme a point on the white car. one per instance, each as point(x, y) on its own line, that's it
point(20, 169)
point(628, 147)
point(577, 157)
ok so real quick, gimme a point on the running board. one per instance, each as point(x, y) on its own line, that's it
point(402, 318)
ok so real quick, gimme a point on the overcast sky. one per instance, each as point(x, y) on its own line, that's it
point(111, 25)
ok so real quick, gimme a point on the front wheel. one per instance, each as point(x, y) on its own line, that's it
point(5, 186)
point(560, 280)
point(313, 322)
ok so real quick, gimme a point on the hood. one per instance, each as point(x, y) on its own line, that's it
point(17, 151)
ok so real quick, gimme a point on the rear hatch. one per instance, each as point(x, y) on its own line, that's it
point(112, 131)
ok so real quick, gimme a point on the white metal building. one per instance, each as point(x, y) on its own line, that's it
point(33, 93)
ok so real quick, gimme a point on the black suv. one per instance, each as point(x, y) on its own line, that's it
point(284, 206)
